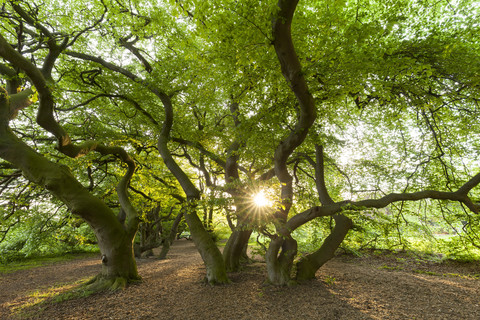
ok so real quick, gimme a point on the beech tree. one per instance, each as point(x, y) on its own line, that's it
point(282, 248)
point(338, 107)
point(337, 72)
point(397, 74)
point(114, 232)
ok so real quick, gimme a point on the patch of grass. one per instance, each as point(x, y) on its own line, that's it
point(41, 261)
point(80, 292)
point(451, 275)
point(387, 267)
point(431, 273)
point(330, 281)
point(37, 300)
point(463, 276)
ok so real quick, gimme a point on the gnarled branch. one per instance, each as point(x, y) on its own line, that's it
point(46, 119)
point(292, 71)
point(461, 195)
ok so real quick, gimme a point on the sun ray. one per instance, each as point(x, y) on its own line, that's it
point(261, 200)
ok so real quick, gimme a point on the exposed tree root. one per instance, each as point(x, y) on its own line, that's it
point(309, 264)
point(102, 283)
point(216, 281)
point(283, 283)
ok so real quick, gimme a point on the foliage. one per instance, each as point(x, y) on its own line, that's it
point(33, 262)
point(395, 85)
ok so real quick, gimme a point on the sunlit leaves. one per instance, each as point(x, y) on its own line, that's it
point(395, 82)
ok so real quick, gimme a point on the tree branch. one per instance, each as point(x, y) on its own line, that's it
point(188, 187)
point(323, 195)
point(46, 119)
point(130, 46)
point(97, 22)
point(461, 195)
point(201, 148)
point(54, 49)
point(292, 71)
point(150, 86)
point(231, 165)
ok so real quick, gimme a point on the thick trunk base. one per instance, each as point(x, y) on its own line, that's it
point(211, 256)
point(102, 283)
point(119, 269)
point(118, 262)
point(235, 251)
point(309, 265)
point(279, 265)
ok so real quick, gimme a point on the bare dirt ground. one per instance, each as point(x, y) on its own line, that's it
point(373, 287)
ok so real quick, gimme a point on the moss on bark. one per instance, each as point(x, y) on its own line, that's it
point(235, 249)
point(308, 265)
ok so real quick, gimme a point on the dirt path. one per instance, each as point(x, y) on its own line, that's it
point(347, 288)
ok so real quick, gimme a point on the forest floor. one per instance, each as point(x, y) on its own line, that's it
point(387, 286)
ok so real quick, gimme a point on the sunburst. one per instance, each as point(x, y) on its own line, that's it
point(260, 199)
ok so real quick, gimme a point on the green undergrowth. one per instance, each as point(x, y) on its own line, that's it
point(432, 273)
point(418, 255)
point(423, 263)
point(34, 262)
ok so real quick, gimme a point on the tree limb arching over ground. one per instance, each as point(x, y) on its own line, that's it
point(337, 109)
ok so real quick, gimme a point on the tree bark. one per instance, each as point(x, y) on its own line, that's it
point(118, 263)
point(114, 240)
point(309, 264)
point(167, 241)
point(279, 265)
point(279, 258)
point(235, 249)
point(212, 258)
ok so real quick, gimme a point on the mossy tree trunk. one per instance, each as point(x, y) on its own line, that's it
point(211, 255)
point(279, 258)
point(212, 258)
point(114, 233)
point(168, 240)
point(309, 264)
point(118, 263)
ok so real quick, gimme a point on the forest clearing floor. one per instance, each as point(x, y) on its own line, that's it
point(389, 286)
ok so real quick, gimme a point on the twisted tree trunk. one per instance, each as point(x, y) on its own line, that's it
point(235, 251)
point(168, 240)
point(115, 241)
point(309, 264)
point(279, 258)
point(279, 263)
point(114, 233)
point(212, 258)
